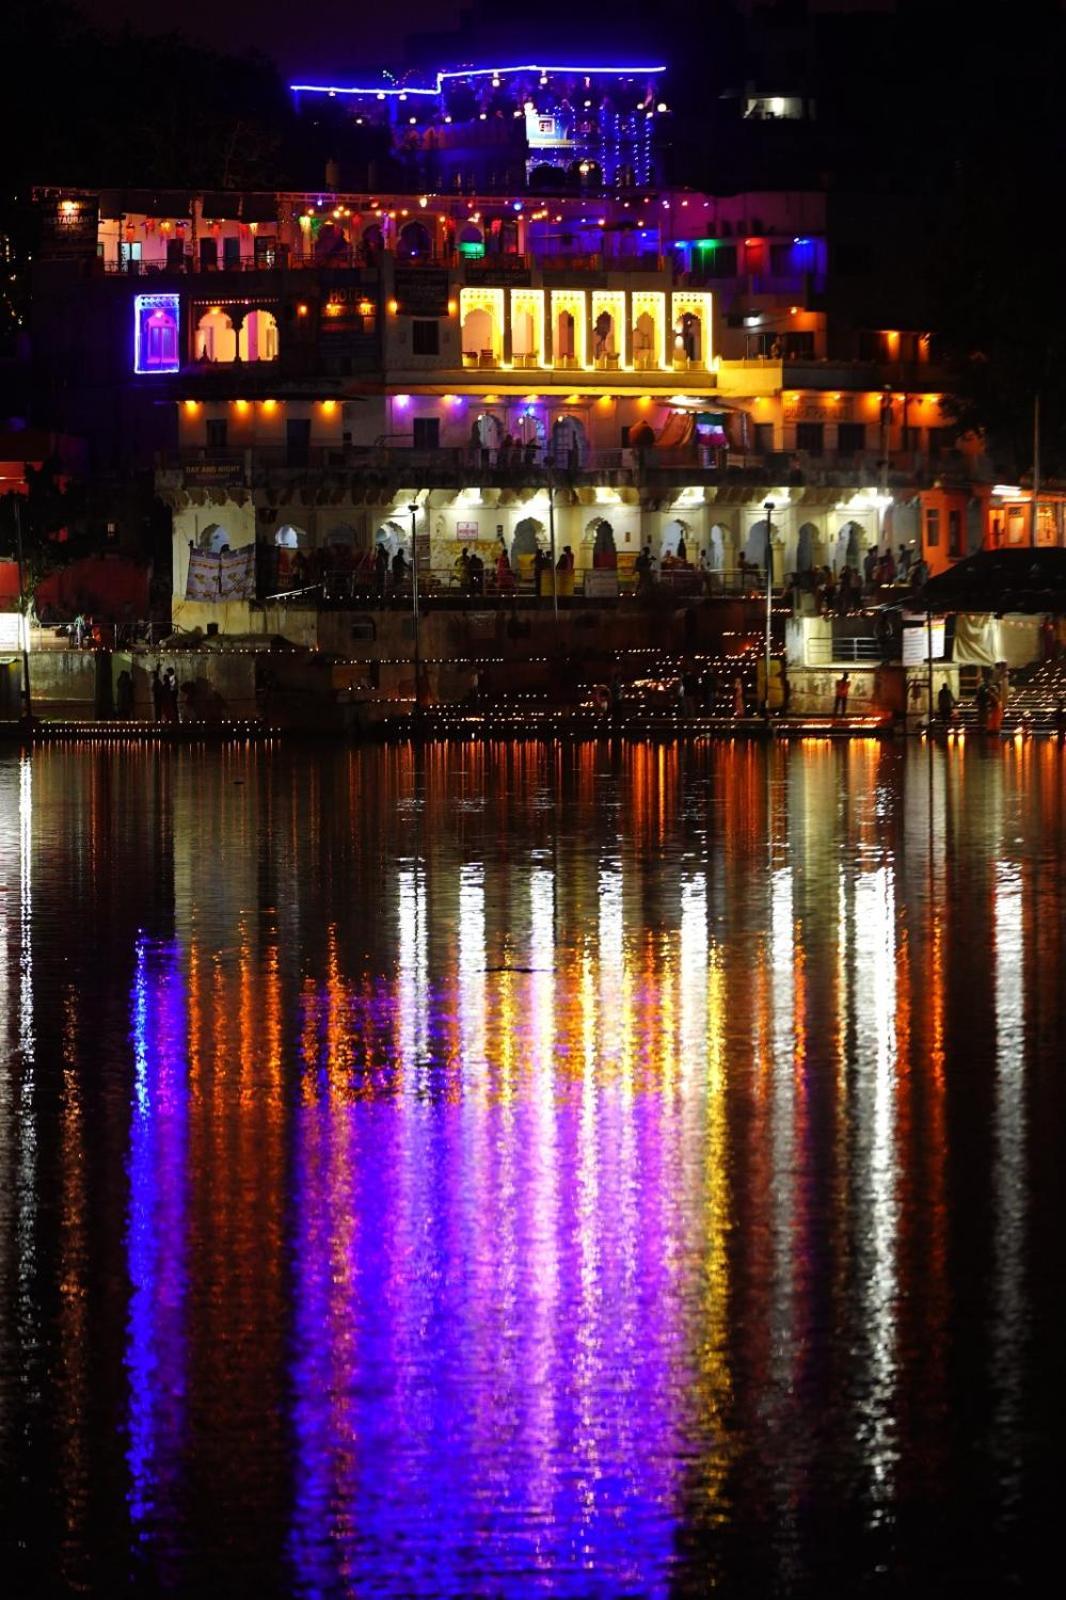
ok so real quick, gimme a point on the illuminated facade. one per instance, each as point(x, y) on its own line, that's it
point(659, 359)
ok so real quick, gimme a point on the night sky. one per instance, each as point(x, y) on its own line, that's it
point(336, 37)
point(301, 38)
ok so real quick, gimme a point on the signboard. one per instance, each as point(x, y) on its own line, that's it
point(601, 584)
point(819, 408)
point(68, 226)
point(499, 272)
point(348, 309)
point(916, 642)
point(466, 531)
point(214, 475)
point(421, 291)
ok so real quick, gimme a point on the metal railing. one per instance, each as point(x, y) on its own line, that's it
point(824, 651)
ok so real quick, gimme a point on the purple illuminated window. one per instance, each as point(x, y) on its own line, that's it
point(156, 320)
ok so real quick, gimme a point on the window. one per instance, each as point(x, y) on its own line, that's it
point(932, 529)
point(231, 251)
point(851, 438)
point(955, 533)
point(155, 333)
point(208, 253)
point(721, 262)
point(297, 441)
point(425, 337)
point(810, 437)
point(799, 346)
point(217, 431)
point(764, 438)
point(427, 429)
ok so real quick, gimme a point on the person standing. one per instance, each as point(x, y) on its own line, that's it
point(840, 703)
point(124, 694)
point(945, 704)
point(170, 696)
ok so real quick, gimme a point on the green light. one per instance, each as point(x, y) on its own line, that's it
point(706, 244)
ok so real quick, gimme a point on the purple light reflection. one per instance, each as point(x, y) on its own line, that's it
point(156, 1244)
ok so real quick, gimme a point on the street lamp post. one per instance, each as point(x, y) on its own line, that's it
point(769, 509)
point(23, 614)
point(413, 508)
point(551, 543)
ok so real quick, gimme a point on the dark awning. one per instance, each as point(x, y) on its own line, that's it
point(145, 203)
point(1000, 581)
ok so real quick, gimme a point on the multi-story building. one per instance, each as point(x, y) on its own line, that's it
point(569, 345)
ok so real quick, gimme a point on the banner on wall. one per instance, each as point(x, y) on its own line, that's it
point(237, 574)
point(228, 575)
point(202, 582)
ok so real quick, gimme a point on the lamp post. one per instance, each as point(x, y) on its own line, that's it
point(1036, 469)
point(24, 622)
point(769, 509)
point(413, 508)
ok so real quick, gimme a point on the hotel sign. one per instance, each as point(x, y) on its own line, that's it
point(819, 408)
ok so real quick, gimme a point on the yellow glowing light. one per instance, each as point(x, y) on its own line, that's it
point(329, 407)
point(531, 399)
point(394, 306)
point(573, 399)
point(192, 406)
point(270, 406)
point(606, 399)
point(242, 406)
point(453, 306)
point(301, 310)
point(794, 311)
point(645, 400)
point(491, 399)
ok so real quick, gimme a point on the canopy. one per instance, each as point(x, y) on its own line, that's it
point(1001, 580)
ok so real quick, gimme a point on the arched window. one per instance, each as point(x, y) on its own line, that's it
point(849, 545)
point(530, 536)
point(258, 340)
point(479, 335)
point(393, 536)
point(289, 537)
point(719, 544)
point(215, 337)
point(569, 442)
point(564, 336)
point(644, 341)
point(156, 333)
point(757, 549)
point(214, 538)
point(808, 548)
point(487, 432)
point(531, 430)
point(471, 242)
point(414, 243)
point(673, 533)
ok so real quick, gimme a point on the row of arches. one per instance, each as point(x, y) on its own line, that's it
point(254, 338)
point(566, 445)
point(482, 336)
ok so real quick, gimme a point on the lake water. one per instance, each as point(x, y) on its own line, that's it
point(510, 1170)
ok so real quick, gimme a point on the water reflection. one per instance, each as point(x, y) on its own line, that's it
point(585, 1172)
